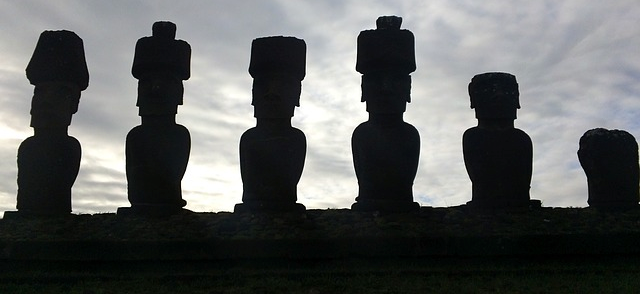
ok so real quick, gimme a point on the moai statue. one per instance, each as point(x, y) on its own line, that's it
point(272, 153)
point(610, 161)
point(385, 148)
point(498, 156)
point(157, 151)
point(48, 162)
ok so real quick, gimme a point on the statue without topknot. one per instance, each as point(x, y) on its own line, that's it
point(498, 156)
point(157, 151)
point(610, 161)
point(49, 161)
point(385, 148)
point(272, 154)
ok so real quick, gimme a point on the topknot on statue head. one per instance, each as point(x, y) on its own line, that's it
point(164, 29)
point(387, 49)
point(278, 55)
point(278, 66)
point(58, 57)
point(162, 53)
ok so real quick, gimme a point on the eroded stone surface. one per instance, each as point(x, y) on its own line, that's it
point(610, 161)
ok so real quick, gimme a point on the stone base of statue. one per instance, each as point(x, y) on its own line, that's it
point(152, 210)
point(269, 207)
point(387, 206)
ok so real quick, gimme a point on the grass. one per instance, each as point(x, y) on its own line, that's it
point(452, 275)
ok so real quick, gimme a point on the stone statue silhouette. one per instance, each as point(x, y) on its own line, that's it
point(498, 156)
point(157, 151)
point(385, 148)
point(610, 161)
point(49, 161)
point(272, 154)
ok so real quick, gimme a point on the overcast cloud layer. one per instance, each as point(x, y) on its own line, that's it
point(577, 63)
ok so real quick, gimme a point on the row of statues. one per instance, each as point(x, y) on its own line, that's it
point(386, 149)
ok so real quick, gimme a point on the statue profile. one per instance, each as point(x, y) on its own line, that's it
point(49, 161)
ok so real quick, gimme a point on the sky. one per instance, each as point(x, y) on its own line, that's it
point(577, 63)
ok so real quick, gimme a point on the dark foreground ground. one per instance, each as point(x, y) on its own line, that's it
point(438, 250)
point(610, 274)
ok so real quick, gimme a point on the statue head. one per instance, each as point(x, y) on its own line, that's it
point(160, 64)
point(386, 58)
point(53, 104)
point(494, 95)
point(58, 70)
point(387, 49)
point(278, 66)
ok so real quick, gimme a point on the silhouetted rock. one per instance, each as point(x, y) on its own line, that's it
point(385, 148)
point(157, 151)
point(498, 156)
point(610, 161)
point(49, 161)
point(59, 57)
point(272, 153)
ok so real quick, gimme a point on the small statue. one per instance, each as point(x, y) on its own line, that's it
point(385, 148)
point(157, 151)
point(610, 161)
point(498, 156)
point(49, 161)
point(272, 154)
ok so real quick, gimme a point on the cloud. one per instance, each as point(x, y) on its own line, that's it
point(577, 66)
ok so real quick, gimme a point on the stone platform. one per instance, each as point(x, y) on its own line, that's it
point(322, 234)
